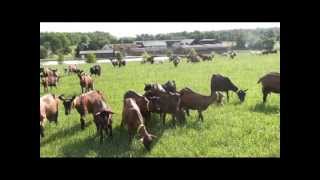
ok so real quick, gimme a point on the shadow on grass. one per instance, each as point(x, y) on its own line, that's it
point(117, 146)
point(265, 108)
point(193, 121)
point(63, 133)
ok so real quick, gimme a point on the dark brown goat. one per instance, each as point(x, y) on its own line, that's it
point(223, 83)
point(169, 103)
point(49, 108)
point(145, 105)
point(169, 86)
point(134, 121)
point(195, 101)
point(92, 102)
point(206, 57)
point(86, 82)
point(270, 83)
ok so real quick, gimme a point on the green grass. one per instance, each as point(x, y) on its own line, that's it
point(233, 130)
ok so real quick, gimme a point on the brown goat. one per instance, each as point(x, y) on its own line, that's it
point(72, 68)
point(223, 83)
point(145, 105)
point(134, 121)
point(86, 82)
point(195, 101)
point(47, 81)
point(169, 103)
point(270, 83)
point(49, 108)
point(93, 103)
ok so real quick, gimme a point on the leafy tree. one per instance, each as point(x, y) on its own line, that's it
point(60, 58)
point(91, 58)
point(55, 44)
point(240, 41)
point(193, 52)
point(43, 52)
point(84, 39)
point(145, 56)
point(119, 55)
point(66, 50)
point(81, 47)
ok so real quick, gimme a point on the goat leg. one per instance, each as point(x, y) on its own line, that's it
point(56, 118)
point(110, 130)
point(130, 136)
point(173, 119)
point(227, 92)
point(187, 112)
point(200, 115)
point(97, 126)
point(41, 131)
point(265, 94)
point(101, 135)
point(163, 118)
point(82, 122)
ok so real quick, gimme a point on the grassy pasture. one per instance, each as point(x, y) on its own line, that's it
point(233, 130)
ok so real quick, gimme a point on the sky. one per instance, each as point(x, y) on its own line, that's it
point(132, 29)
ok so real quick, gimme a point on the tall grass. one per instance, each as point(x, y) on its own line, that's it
point(250, 129)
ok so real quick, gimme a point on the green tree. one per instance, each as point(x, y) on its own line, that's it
point(145, 56)
point(84, 39)
point(240, 41)
point(60, 58)
point(55, 44)
point(119, 55)
point(43, 52)
point(193, 52)
point(81, 47)
point(66, 50)
point(91, 58)
point(65, 42)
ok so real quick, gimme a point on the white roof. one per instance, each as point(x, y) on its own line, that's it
point(96, 52)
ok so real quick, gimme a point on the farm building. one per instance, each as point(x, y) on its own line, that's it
point(108, 53)
point(160, 47)
point(209, 41)
point(153, 47)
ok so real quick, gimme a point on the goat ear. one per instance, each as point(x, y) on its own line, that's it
point(153, 136)
point(109, 111)
point(62, 97)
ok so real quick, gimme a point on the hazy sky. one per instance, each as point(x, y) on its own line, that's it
point(132, 29)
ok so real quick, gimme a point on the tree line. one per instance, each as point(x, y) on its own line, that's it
point(61, 43)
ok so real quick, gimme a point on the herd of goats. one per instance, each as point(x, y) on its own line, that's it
point(136, 114)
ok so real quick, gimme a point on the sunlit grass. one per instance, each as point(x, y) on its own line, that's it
point(250, 129)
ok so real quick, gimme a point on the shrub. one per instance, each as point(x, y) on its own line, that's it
point(43, 52)
point(145, 56)
point(67, 50)
point(91, 58)
point(193, 52)
point(119, 56)
point(60, 58)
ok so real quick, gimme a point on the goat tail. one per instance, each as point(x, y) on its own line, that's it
point(260, 80)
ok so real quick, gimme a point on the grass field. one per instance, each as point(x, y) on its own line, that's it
point(233, 130)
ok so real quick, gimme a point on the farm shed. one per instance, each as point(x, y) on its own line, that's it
point(101, 54)
point(209, 41)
